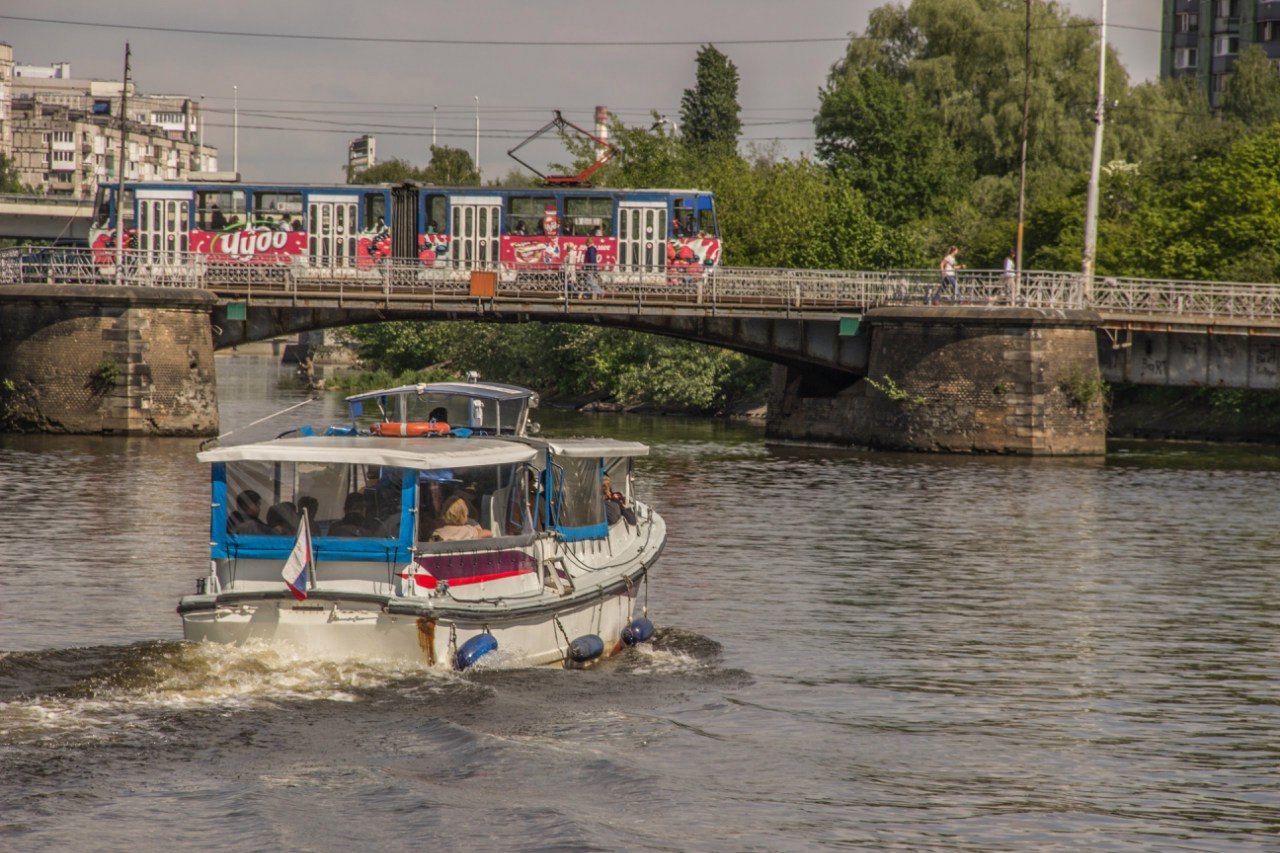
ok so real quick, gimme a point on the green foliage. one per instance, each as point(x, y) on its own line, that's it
point(1080, 388)
point(106, 375)
point(709, 112)
point(890, 389)
point(448, 167)
point(571, 361)
point(880, 137)
point(1252, 95)
point(9, 182)
point(391, 171)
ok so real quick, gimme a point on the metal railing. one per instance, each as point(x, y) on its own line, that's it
point(409, 282)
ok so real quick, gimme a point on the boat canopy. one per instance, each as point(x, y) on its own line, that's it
point(486, 390)
point(422, 453)
point(594, 448)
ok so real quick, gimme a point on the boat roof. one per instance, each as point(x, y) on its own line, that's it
point(589, 447)
point(488, 390)
point(423, 453)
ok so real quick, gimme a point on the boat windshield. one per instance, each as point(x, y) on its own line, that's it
point(479, 414)
point(339, 499)
point(576, 495)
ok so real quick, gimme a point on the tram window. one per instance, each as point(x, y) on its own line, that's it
point(584, 216)
point(435, 205)
point(127, 210)
point(216, 210)
point(373, 208)
point(270, 209)
point(684, 221)
point(102, 208)
point(525, 214)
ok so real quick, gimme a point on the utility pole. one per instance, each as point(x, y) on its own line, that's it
point(434, 107)
point(477, 136)
point(124, 151)
point(1022, 172)
point(235, 131)
point(1091, 202)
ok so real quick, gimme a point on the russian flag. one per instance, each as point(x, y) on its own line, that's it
point(298, 567)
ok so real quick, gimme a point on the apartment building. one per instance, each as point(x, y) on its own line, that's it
point(1202, 38)
point(62, 135)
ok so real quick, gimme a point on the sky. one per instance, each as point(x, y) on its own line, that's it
point(302, 87)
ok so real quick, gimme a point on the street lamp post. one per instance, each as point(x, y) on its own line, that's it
point(477, 136)
point(235, 131)
point(1091, 201)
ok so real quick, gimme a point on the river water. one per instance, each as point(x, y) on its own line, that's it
point(855, 650)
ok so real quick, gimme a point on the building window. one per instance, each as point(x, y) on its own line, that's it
point(1226, 8)
point(64, 156)
point(1220, 83)
point(1188, 22)
point(1226, 45)
point(64, 136)
point(1268, 30)
point(1185, 57)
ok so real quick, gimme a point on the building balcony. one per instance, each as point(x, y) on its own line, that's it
point(1226, 25)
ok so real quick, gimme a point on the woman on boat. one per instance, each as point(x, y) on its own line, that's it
point(458, 524)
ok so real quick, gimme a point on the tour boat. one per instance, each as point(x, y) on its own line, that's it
point(465, 540)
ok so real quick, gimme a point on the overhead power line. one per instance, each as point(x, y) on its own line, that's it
point(489, 42)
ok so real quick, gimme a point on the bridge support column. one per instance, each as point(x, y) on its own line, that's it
point(958, 380)
point(103, 359)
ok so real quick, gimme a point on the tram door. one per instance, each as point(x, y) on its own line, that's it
point(332, 228)
point(404, 222)
point(642, 236)
point(163, 226)
point(473, 231)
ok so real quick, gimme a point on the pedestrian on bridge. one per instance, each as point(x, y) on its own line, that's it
point(948, 267)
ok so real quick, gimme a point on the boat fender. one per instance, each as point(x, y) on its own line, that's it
point(637, 632)
point(585, 648)
point(475, 648)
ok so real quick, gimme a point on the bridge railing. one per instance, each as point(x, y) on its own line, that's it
point(724, 288)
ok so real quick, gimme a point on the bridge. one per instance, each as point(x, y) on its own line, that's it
point(813, 324)
point(39, 217)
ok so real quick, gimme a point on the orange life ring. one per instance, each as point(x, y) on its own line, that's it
point(412, 429)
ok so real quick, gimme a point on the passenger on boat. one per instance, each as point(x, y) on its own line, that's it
point(615, 505)
point(458, 524)
point(244, 518)
point(311, 506)
point(353, 518)
point(283, 518)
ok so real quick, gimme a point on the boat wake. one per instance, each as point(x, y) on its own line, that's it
point(83, 695)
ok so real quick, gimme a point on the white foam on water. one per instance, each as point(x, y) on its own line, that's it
point(186, 677)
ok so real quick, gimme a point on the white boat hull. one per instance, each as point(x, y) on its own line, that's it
point(345, 627)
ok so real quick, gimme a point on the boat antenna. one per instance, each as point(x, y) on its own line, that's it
point(209, 441)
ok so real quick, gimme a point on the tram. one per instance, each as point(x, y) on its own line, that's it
point(362, 226)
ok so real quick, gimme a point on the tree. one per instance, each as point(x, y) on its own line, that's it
point(449, 167)
point(1252, 95)
point(452, 167)
point(879, 137)
point(709, 112)
point(9, 182)
point(391, 171)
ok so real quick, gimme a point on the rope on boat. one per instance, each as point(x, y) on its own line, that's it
point(563, 632)
point(208, 441)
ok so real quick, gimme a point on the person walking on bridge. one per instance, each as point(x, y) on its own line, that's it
point(948, 267)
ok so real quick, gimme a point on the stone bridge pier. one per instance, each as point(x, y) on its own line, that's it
point(109, 360)
point(961, 380)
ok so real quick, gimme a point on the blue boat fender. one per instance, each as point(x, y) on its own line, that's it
point(585, 648)
point(638, 631)
point(475, 648)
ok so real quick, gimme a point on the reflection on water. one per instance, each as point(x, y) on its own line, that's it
point(857, 650)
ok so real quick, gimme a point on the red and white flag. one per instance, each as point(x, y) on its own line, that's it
point(297, 569)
